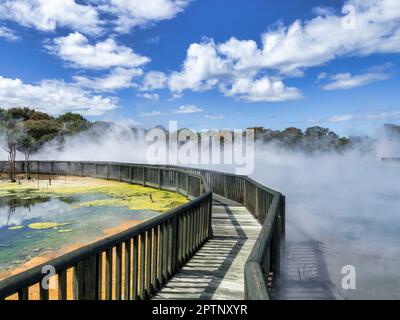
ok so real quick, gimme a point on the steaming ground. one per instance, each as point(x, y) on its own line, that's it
point(349, 202)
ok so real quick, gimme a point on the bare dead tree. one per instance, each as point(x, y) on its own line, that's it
point(11, 149)
point(27, 165)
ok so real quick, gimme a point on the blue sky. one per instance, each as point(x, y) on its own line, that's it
point(206, 63)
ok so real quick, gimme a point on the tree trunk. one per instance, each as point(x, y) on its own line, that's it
point(27, 165)
point(12, 154)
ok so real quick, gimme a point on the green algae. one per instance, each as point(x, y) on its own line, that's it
point(65, 230)
point(45, 225)
point(134, 197)
point(16, 228)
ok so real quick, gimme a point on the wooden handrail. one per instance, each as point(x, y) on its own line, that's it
point(162, 245)
point(157, 247)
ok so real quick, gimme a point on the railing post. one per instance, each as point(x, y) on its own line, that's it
point(159, 179)
point(256, 208)
point(282, 228)
point(210, 230)
point(187, 184)
point(85, 279)
point(174, 263)
point(245, 192)
point(51, 168)
point(224, 180)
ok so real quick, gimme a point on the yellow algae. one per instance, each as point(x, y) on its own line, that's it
point(16, 228)
point(135, 197)
point(65, 230)
point(46, 225)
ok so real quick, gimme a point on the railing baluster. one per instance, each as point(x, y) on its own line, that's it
point(170, 249)
point(142, 270)
point(165, 253)
point(43, 293)
point(62, 285)
point(118, 272)
point(153, 281)
point(160, 258)
point(109, 273)
point(174, 245)
point(149, 238)
point(85, 279)
point(127, 270)
point(135, 273)
point(23, 294)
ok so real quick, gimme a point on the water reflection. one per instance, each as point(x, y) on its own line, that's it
point(35, 224)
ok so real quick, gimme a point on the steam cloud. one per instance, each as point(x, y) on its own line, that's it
point(348, 201)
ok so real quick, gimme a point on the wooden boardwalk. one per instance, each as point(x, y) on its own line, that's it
point(216, 271)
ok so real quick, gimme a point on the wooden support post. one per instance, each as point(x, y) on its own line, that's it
point(23, 294)
point(99, 272)
point(174, 245)
point(149, 243)
point(109, 272)
point(85, 279)
point(118, 272)
point(135, 266)
point(153, 282)
point(127, 270)
point(142, 267)
point(62, 285)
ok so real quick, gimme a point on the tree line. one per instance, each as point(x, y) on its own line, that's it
point(26, 131)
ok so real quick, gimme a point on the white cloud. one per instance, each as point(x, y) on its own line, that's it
point(261, 90)
point(119, 78)
point(53, 96)
point(76, 50)
point(149, 96)
point(153, 113)
point(344, 81)
point(8, 34)
point(154, 80)
point(319, 40)
point(188, 109)
point(355, 117)
point(47, 15)
point(89, 16)
point(244, 69)
point(214, 116)
point(201, 69)
point(141, 12)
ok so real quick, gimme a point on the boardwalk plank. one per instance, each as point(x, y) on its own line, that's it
point(216, 271)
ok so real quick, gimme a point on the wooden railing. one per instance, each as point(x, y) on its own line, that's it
point(264, 263)
point(159, 247)
point(135, 263)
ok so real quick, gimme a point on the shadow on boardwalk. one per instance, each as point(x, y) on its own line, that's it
point(217, 270)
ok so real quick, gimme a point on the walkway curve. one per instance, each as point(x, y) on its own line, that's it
point(216, 271)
